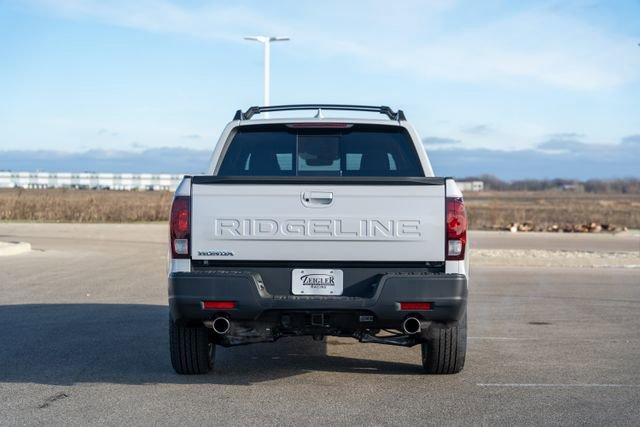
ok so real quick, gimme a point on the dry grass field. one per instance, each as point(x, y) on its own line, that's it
point(493, 210)
point(58, 205)
point(487, 210)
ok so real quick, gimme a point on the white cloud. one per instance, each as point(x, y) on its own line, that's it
point(438, 140)
point(478, 130)
point(222, 22)
point(418, 39)
point(541, 46)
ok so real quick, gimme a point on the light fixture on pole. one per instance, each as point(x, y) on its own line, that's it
point(266, 41)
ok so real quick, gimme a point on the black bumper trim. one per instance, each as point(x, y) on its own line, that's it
point(447, 292)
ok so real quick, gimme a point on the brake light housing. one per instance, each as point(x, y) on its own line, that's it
point(180, 227)
point(320, 125)
point(456, 225)
point(219, 305)
point(415, 306)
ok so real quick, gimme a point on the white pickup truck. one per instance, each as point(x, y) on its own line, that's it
point(316, 227)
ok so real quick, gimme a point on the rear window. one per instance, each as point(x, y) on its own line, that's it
point(360, 150)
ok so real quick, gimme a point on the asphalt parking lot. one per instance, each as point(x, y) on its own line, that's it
point(83, 339)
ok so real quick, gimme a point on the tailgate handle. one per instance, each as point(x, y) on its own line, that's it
point(317, 197)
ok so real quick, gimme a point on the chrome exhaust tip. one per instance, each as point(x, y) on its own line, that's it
point(411, 325)
point(221, 325)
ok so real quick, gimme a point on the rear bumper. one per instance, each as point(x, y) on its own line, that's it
point(187, 291)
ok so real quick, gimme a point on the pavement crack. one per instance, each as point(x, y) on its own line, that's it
point(49, 400)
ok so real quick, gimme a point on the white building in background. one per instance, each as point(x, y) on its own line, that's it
point(86, 180)
point(470, 185)
point(5, 180)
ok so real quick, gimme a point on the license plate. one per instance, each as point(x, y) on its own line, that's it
point(316, 281)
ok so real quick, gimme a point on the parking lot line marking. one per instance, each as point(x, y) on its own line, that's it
point(503, 338)
point(557, 385)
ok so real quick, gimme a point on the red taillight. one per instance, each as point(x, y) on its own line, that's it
point(415, 306)
point(218, 305)
point(456, 229)
point(182, 221)
point(180, 226)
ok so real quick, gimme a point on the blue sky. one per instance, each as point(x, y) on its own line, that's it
point(549, 77)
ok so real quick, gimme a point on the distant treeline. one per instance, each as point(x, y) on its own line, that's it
point(622, 186)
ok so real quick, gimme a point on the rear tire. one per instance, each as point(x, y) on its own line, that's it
point(445, 347)
point(191, 351)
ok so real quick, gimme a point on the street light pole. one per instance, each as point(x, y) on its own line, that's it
point(266, 41)
point(267, 73)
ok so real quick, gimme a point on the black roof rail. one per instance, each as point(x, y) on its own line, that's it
point(383, 109)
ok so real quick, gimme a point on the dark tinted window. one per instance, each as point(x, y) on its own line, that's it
point(361, 150)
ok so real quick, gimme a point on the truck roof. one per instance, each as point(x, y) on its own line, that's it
point(246, 118)
point(287, 120)
point(382, 109)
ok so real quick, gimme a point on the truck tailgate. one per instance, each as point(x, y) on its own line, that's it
point(309, 222)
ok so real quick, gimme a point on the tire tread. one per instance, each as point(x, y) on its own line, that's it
point(445, 346)
point(191, 351)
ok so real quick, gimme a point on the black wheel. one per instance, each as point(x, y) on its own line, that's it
point(191, 351)
point(445, 347)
